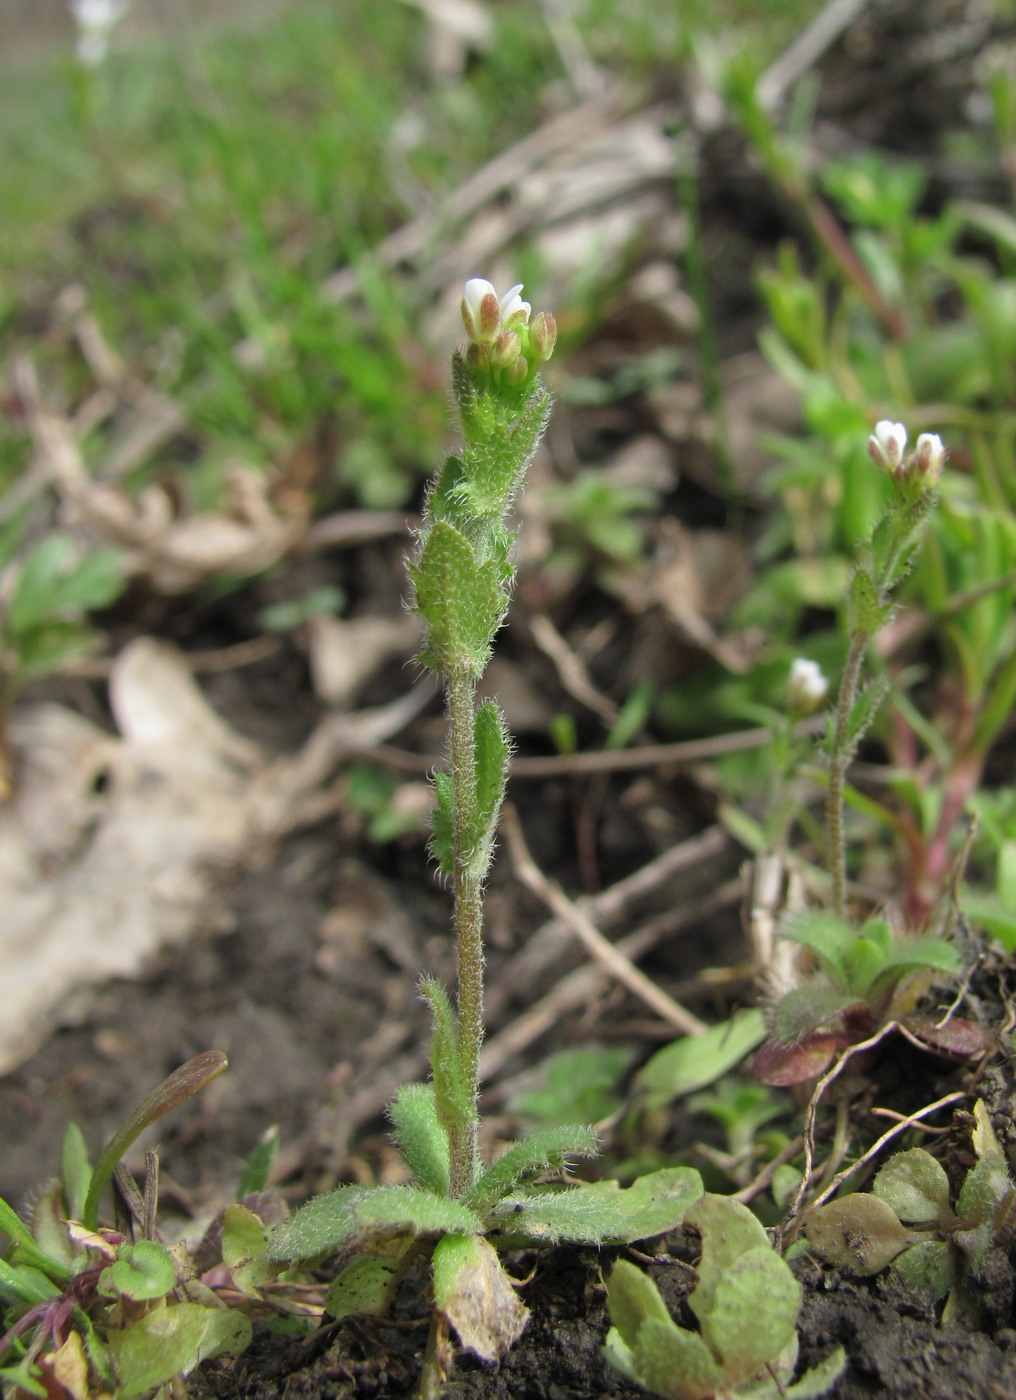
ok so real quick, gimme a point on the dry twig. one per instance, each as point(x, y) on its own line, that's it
point(606, 953)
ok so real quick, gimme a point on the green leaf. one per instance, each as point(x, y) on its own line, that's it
point(142, 1272)
point(808, 1008)
point(53, 585)
point(986, 1196)
point(75, 1170)
point(912, 954)
point(49, 1228)
point(23, 1283)
point(476, 1295)
point(366, 1286)
point(603, 1212)
point(26, 1248)
point(865, 612)
point(359, 1217)
point(657, 1354)
point(461, 600)
point(914, 1185)
point(929, 1268)
point(454, 1103)
point(862, 963)
point(863, 711)
point(828, 936)
point(491, 747)
point(421, 1137)
point(258, 1167)
point(820, 1379)
point(729, 1230)
point(695, 1061)
point(496, 462)
point(546, 1149)
point(171, 1341)
point(579, 1086)
point(860, 1233)
point(752, 1311)
point(245, 1249)
point(442, 817)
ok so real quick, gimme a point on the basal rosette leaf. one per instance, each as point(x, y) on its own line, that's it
point(549, 1149)
point(476, 1295)
point(367, 1284)
point(360, 1217)
point(810, 1008)
point(602, 1212)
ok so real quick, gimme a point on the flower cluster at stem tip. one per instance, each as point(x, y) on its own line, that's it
point(887, 447)
point(505, 345)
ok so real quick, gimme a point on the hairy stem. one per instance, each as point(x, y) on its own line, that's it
point(468, 895)
point(838, 764)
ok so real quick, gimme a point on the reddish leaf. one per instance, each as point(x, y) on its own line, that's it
point(785, 1065)
point(956, 1037)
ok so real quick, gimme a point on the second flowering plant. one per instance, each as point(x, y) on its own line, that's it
point(460, 1210)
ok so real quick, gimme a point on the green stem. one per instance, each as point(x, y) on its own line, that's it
point(838, 763)
point(468, 916)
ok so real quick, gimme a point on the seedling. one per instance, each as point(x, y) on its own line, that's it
point(457, 1208)
point(909, 1224)
point(746, 1302)
point(87, 1310)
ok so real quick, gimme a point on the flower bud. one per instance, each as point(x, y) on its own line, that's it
point(542, 336)
point(929, 457)
point(887, 444)
point(516, 373)
point(807, 687)
point(481, 311)
point(505, 350)
point(514, 311)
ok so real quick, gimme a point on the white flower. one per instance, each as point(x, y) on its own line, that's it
point(96, 20)
point(807, 687)
point(486, 316)
point(888, 443)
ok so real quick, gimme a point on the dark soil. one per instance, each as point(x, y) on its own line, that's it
point(306, 972)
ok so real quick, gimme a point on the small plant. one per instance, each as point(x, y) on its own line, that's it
point(869, 977)
point(866, 978)
point(89, 1310)
point(457, 1209)
point(908, 1223)
point(746, 1302)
